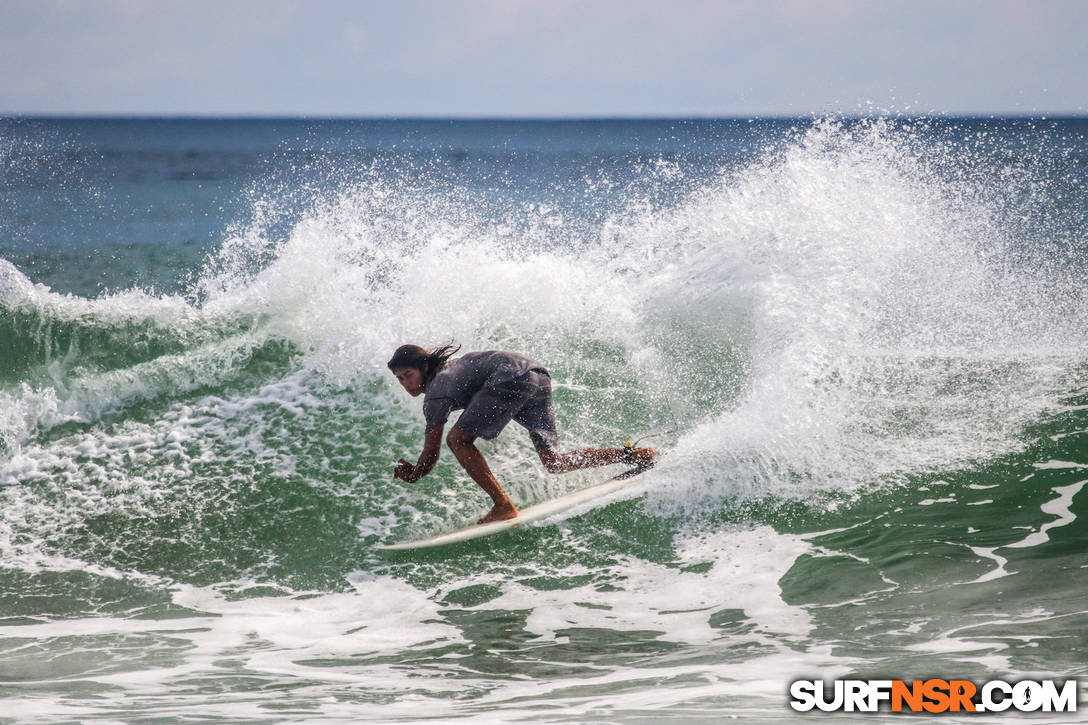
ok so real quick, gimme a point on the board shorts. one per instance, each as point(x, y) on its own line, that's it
point(525, 399)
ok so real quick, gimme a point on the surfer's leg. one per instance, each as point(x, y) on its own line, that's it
point(538, 418)
point(557, 462)
point(468, 455)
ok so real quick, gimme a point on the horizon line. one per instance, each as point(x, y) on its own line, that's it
point(155, 116)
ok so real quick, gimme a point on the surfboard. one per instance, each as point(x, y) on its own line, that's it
point(525, 516)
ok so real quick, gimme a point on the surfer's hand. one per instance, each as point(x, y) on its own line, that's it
point(405, 471)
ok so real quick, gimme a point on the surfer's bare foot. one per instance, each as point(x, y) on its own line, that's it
point(643, 457)
point(500, 512)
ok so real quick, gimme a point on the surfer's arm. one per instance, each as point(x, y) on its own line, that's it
point(432, 444)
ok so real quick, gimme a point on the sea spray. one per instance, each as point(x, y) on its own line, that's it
point(887, 334)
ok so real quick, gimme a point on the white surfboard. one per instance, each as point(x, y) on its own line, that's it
point(526, 515)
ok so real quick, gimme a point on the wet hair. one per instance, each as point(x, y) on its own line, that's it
point(428, 362)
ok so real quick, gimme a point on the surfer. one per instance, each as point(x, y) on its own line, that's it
point(493, 388)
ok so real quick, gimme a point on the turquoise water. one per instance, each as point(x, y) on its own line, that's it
point(866, 342)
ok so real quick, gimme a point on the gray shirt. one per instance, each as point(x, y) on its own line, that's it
point(454, 385)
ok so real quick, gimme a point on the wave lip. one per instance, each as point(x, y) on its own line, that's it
point(893, 322)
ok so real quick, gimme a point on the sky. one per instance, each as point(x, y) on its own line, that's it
point(551, 58)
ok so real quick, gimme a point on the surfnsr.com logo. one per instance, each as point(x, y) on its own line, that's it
point(933, 696)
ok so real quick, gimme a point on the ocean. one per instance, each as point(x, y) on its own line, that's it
point(860, 346)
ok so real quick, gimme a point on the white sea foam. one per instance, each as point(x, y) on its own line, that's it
point(745, 566)
point(1060, 507)
point(339, 651)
